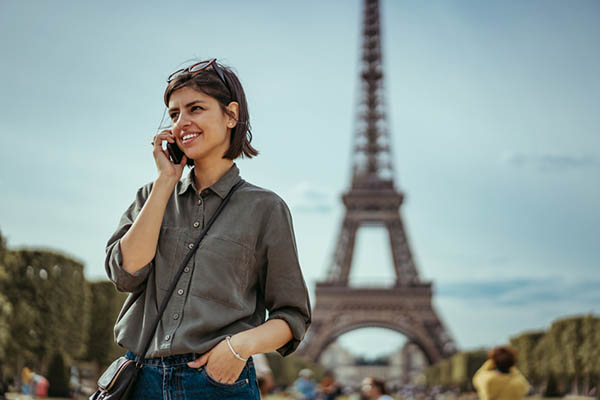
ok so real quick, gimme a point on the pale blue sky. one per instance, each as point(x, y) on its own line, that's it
point(492, 108)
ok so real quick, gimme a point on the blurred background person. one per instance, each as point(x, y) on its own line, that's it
point(329, 389)
point(39, 386)
point(498, 378)
point(374, 389)
point(305, 386)
point(26, 376)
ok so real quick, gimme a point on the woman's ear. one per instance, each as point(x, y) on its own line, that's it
point(232, 114)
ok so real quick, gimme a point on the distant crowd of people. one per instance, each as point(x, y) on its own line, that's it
point(34, 384)
point(496, 379)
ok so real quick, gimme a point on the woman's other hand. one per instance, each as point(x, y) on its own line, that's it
point(220, 363)
point(166, 168)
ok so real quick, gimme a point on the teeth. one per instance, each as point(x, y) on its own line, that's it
point(190, 136)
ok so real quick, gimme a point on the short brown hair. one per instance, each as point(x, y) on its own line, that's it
point(375, 383)
point(209, 83)
point(379, 384)
point(504, 357)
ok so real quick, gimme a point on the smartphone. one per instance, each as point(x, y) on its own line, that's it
point(175, 152)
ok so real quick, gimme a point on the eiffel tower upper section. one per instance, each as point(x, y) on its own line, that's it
point(372, 198)
point(372, 162)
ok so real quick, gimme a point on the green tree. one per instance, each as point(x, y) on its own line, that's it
point(49, 302)
point(464, 364)
point(557, 356)
point(542, 361)
point(433, 375)
point(104, 308)
point(552, 354)
point(286, 369)
point(6, 308)
point(589, 352)
point(20, 294)
point(525, 345)
point(445, 372)
point(569, 335)
point(58, 377)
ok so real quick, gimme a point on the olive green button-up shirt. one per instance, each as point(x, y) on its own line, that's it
point(246, 264)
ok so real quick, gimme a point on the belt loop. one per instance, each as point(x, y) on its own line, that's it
point(248, 369)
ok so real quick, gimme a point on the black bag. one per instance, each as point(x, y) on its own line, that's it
point(118, 379)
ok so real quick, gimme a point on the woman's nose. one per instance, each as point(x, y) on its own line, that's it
point(181, 122)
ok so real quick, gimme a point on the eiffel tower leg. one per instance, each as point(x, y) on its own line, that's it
point(406, 272)
point(406, 364)
point(339, 271)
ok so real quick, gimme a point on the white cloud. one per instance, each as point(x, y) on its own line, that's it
point(307, 197)
point(551, 161)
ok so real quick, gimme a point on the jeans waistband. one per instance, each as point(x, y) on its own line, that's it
point(172, 361)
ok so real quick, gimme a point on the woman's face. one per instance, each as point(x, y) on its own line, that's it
point(200, 127)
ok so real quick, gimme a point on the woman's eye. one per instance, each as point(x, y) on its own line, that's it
point(194, 108)
point(173, 116)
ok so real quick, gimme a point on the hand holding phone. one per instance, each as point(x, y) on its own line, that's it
point(175, 152)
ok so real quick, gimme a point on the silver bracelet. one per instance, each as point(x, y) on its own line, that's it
point(235, 353)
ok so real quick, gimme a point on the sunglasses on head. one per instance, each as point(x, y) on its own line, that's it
point(199, 67)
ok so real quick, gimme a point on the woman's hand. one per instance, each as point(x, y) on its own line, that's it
point(220, 363)
point(165, 166)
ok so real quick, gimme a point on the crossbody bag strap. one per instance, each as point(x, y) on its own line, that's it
point(189, 255)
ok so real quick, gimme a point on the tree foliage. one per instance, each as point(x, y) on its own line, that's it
point(286, 369)
point(528, 364)
point(463, 366)
point(104, 309)
point(49, 298)
point(564, 359)
point(6, 308)
point(47, 308)
point(58, 377)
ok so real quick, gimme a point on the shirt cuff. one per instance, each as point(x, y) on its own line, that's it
point(123, 280)
point(298, 326)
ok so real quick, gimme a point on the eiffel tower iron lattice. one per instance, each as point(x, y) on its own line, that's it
point(406, 305)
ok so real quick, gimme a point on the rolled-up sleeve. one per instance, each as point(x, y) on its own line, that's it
point(286, 295)
point(123, 280)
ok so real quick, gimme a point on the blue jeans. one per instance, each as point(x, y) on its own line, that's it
point(169, 378)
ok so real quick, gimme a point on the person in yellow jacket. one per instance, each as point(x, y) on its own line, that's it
point(498, 378)
point(26, 378)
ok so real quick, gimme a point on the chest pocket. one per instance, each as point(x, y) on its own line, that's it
point(166, 256)
point(221, 271)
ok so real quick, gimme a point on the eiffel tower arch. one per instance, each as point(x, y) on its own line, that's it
point(405, 306)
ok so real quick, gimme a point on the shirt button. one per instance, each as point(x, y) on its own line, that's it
point(191, 246)
point(180, 292)
point(186, 269)
point(199, 202)
point(167, 337)
point(196, 224)
point(175, 316)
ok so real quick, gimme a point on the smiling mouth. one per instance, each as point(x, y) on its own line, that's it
point(189, 137)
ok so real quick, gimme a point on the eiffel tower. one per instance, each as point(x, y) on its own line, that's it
point(405, 306)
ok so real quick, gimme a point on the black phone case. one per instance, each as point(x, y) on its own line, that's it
point(175, 152)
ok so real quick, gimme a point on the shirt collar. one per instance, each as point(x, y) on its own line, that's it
point(221, 187)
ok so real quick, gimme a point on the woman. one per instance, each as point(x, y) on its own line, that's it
point(498, 378)
point(246, 264)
